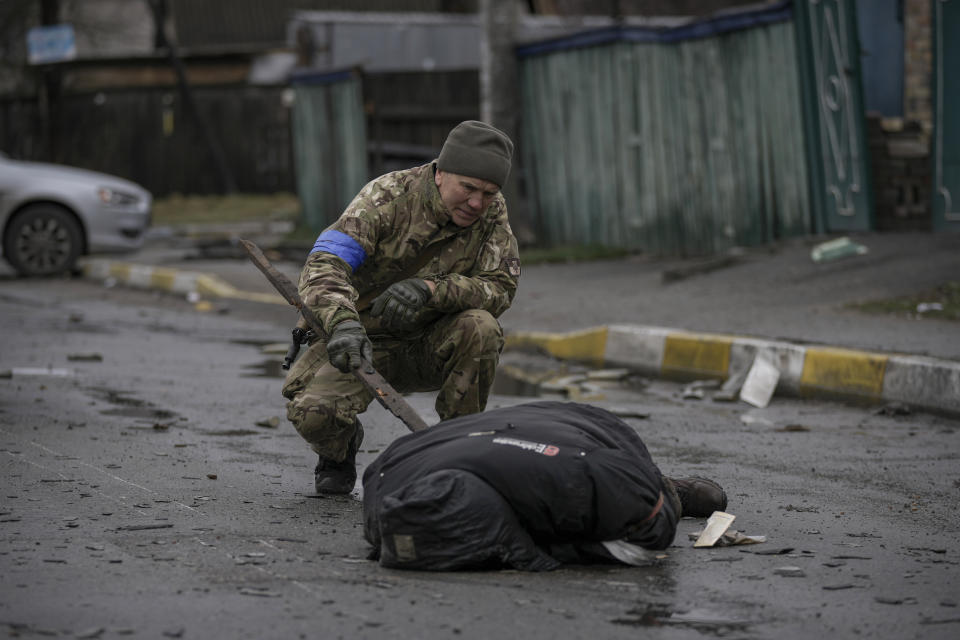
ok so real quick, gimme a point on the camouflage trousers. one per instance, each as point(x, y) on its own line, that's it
point(456, 355)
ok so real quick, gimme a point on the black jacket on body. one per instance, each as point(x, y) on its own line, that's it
point(525, 487)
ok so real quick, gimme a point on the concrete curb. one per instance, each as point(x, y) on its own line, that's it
point(170, 280)
point(807, 371)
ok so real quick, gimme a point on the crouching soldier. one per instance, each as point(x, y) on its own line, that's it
point(526, 487)
point(412, 277)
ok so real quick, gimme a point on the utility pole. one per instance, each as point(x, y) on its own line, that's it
point(48, 90)
point(162, 41)
point(499, 103)
point(500, 93)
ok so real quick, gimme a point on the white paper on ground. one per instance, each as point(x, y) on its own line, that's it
point(717, 523)
point(761, 381)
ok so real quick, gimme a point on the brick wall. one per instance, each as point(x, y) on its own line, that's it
point(917, 63)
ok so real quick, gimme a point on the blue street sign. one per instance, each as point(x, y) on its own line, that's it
point(53, 43)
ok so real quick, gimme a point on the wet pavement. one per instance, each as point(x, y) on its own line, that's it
point(775, 292)
point(148, 494)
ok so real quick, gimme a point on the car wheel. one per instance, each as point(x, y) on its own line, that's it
point(43, 240)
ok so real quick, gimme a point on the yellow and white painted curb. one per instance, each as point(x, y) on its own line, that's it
point(923, 382)
point(171, 280)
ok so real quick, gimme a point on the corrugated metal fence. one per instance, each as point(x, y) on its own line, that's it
point(653, 141)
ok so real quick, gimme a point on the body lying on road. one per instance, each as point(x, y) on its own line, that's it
point(526, 487)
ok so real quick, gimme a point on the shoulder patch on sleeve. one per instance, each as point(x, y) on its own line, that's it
point(512, 265)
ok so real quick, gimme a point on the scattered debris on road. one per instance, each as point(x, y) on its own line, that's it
point(35, 371)
point(731, 538)
point(716, 525)
point(836, 249)
point(145, 527)
point(705, 265)
point(85, 357)
point(790, 572)
point(761, 381)
point(893, 409)
point(697, 389)
point(924, 307)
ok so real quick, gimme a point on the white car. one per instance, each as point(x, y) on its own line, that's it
point(50, 215)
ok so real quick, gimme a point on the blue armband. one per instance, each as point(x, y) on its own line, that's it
point(342, 246)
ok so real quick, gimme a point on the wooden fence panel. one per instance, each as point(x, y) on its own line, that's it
point(671, 147)
point(146, 135)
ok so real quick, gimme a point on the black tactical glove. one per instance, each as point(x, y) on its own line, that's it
point(397, 307)
point(348, 342)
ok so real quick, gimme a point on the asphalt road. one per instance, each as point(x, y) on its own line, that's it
point(775, 291)
point(142, 499)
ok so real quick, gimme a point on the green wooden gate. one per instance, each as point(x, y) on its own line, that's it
point(329, 144)
point(839, 167)
point(946, 114)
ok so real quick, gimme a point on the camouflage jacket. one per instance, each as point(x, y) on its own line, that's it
point(379, 236)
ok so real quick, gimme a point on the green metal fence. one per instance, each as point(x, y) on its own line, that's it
point(329, 144)
point(653, 141)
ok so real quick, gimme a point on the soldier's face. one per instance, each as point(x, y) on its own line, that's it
point(464, 197)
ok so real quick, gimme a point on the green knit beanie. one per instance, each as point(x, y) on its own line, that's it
point(477, 150)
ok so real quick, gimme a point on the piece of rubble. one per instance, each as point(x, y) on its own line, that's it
point(838, 587)
point(37, 371)
point(608, 375)
point(270, 423)
point(925, 307)
point(85, 357)
point(562, 384)
point(894, 600)
point(836, 249)
point(790, 572)
point(733, 537)
point(144, 527)
point(774, 552)
point(696, 389)
point(730, 390)
point(794, 428)
point(893, 409)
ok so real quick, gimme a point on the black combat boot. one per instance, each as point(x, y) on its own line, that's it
point(698, 497)
point(332, 477)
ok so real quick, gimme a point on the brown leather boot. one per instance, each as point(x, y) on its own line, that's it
point(698, 497)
